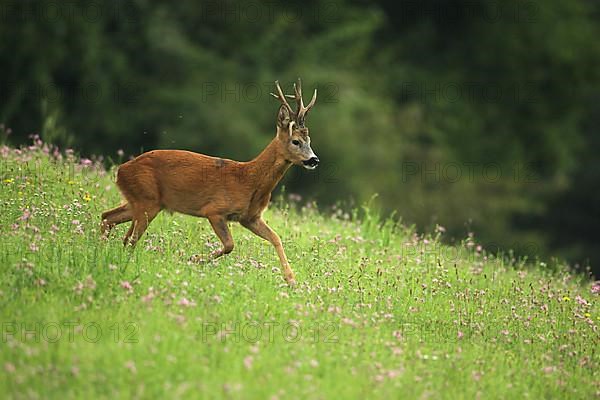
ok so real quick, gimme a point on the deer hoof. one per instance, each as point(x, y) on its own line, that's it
point(216, 254)
point(290, 278)
point(198, 259)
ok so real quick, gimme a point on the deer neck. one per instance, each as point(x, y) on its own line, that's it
point(269, 167)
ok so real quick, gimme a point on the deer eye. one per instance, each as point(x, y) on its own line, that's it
point(296, 142)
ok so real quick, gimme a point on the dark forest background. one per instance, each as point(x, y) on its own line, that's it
point(479, 116)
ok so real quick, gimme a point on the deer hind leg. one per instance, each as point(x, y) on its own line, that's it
point(128, 234)
point(260, 228)
point(141, 219)
point(113, 217)
point(219, 225)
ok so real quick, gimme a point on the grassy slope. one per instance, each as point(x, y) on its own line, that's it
point(378, 310)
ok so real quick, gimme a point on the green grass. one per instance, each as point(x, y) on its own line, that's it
point(379, 311)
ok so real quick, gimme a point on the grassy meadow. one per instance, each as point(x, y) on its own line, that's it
point(380, 311)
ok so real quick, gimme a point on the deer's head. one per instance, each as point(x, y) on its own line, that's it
point(291, 131)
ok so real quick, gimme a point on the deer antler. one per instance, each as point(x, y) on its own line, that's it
point(282, 97)
point(301, 110)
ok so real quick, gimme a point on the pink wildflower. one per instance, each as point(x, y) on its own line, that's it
point(26, 215)
point(130, 365)
point(581, 301)
point(248, 361)
point(186, 303)
point(127, 286)
point(148, 298)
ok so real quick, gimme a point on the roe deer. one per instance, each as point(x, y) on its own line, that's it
point(218, 189)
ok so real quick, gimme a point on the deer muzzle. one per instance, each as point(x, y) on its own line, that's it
point(311, 163)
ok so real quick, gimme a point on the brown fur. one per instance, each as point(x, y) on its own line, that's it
point(218, 189)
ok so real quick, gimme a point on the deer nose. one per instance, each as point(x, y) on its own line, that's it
point(312, 162)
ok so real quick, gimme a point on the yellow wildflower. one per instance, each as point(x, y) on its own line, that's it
point(566, 298)
point(9, 180)
point(87, 197)
point(71, 182)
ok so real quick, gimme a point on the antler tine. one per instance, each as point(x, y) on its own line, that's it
point(302, 111)
point(298, 98)
point(312, 101)
point(298, 91)
point(282, 97)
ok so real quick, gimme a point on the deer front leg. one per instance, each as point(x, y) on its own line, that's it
point(260, 228)
point(219, 225)
point(113, 217)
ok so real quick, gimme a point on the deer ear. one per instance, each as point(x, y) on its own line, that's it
point(283, 118)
